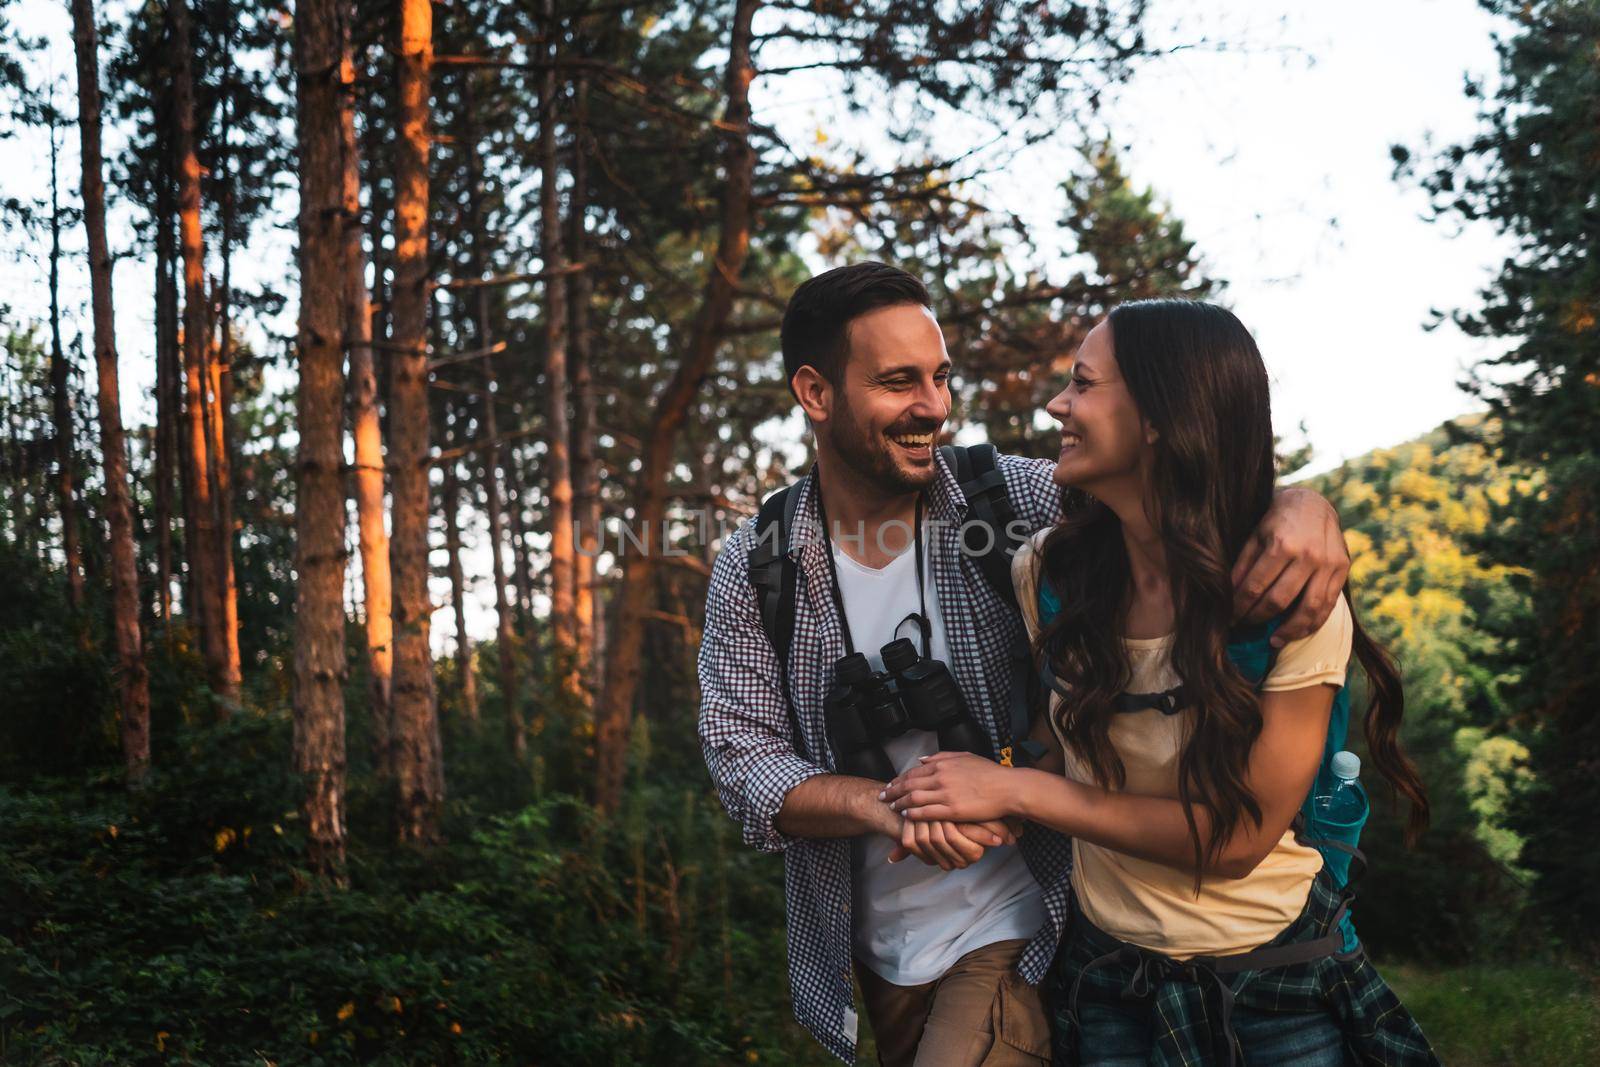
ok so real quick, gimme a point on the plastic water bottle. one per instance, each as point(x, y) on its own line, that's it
point(1337, 816)
point(1347, 803)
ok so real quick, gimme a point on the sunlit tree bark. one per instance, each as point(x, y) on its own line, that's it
point(201, 536)
point(219, 464)
point(585, 470)
point(133, 686)
point(219, 376)
point(366, 431)
point(557, 459)
point(169, 369)
point(319, 652)
point(418, 764)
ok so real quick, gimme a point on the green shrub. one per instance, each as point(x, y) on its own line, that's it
point(177, 926)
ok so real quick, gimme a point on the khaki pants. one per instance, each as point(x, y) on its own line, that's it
point(982, 1012)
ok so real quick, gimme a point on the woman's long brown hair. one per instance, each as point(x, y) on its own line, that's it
point(1196, 375)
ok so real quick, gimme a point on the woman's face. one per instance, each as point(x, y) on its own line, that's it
point(1104, 440)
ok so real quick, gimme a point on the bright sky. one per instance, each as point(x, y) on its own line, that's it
point(1274, 151)
point(1275, 155)
point(1278, 163)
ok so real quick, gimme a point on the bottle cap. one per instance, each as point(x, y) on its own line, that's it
point(1346, 765)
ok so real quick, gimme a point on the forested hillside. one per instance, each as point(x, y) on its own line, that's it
point(1415, 518)
point(348, 617)
point(271, 787)
point(179, 920)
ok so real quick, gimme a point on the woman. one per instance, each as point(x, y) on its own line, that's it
point(1186, 857)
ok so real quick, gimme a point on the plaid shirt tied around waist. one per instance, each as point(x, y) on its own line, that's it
point(754, 761)
point(1191, 1001)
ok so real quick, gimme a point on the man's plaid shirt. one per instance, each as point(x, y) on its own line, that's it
point(749, 748)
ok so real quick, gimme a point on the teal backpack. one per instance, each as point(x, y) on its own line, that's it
point(1250, 649)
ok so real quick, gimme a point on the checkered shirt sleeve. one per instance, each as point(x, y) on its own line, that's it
point(744, 726)
point(1035, 498)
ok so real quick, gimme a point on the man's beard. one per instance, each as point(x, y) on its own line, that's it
point(871, 457)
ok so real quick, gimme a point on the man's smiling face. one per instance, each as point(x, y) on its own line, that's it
point(892, 398)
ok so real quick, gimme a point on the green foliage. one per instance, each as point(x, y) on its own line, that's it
point(1136, 248)
point(1012, 319)
point(1542, 1014)
point(1413, 516)
point(177, 924)
point(55, 686)
point(1531, 173)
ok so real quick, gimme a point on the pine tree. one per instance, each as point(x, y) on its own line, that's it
point(558, 459)
point(204, 541)
point(133, 682)
point(365, 425)
point(1001, 61)
point(733, 245)
point(1533, 173)
point(319, 653)
point(418, 761)
point(60, 387)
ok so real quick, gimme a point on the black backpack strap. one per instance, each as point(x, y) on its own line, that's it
point(977, 468)
point(772, 573)
point(1174, 700)
point(1167, 702)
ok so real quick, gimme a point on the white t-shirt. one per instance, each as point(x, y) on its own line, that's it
point(912, 920)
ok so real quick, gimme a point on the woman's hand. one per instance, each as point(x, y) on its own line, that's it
point(956, 786)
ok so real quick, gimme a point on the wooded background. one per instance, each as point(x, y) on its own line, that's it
point(248, 812)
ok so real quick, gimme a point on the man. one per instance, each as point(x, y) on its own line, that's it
point(948, 950)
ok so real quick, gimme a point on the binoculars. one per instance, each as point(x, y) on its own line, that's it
point(865, 708)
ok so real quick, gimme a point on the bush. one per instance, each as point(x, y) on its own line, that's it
point(176, 925)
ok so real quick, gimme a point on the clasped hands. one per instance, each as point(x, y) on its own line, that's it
point(954, 806)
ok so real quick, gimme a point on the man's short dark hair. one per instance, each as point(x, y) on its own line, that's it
point(817, 320)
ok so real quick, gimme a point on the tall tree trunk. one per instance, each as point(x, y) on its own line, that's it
point(61, 396)
point(467, 679)
point(612, 719)
point(505, 632)
point(366, 431)
point(133, 683)
point(18, 474)
point(419, 768)
point(219, 373)
point(168, 373)
point(201, 543)
point(521, 537)
point(319, 653)
point(557, 462)
point(219, 462)
point(194, 604)
point(585, 471)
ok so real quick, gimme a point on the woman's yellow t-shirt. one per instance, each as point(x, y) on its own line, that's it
point(1153, 905)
